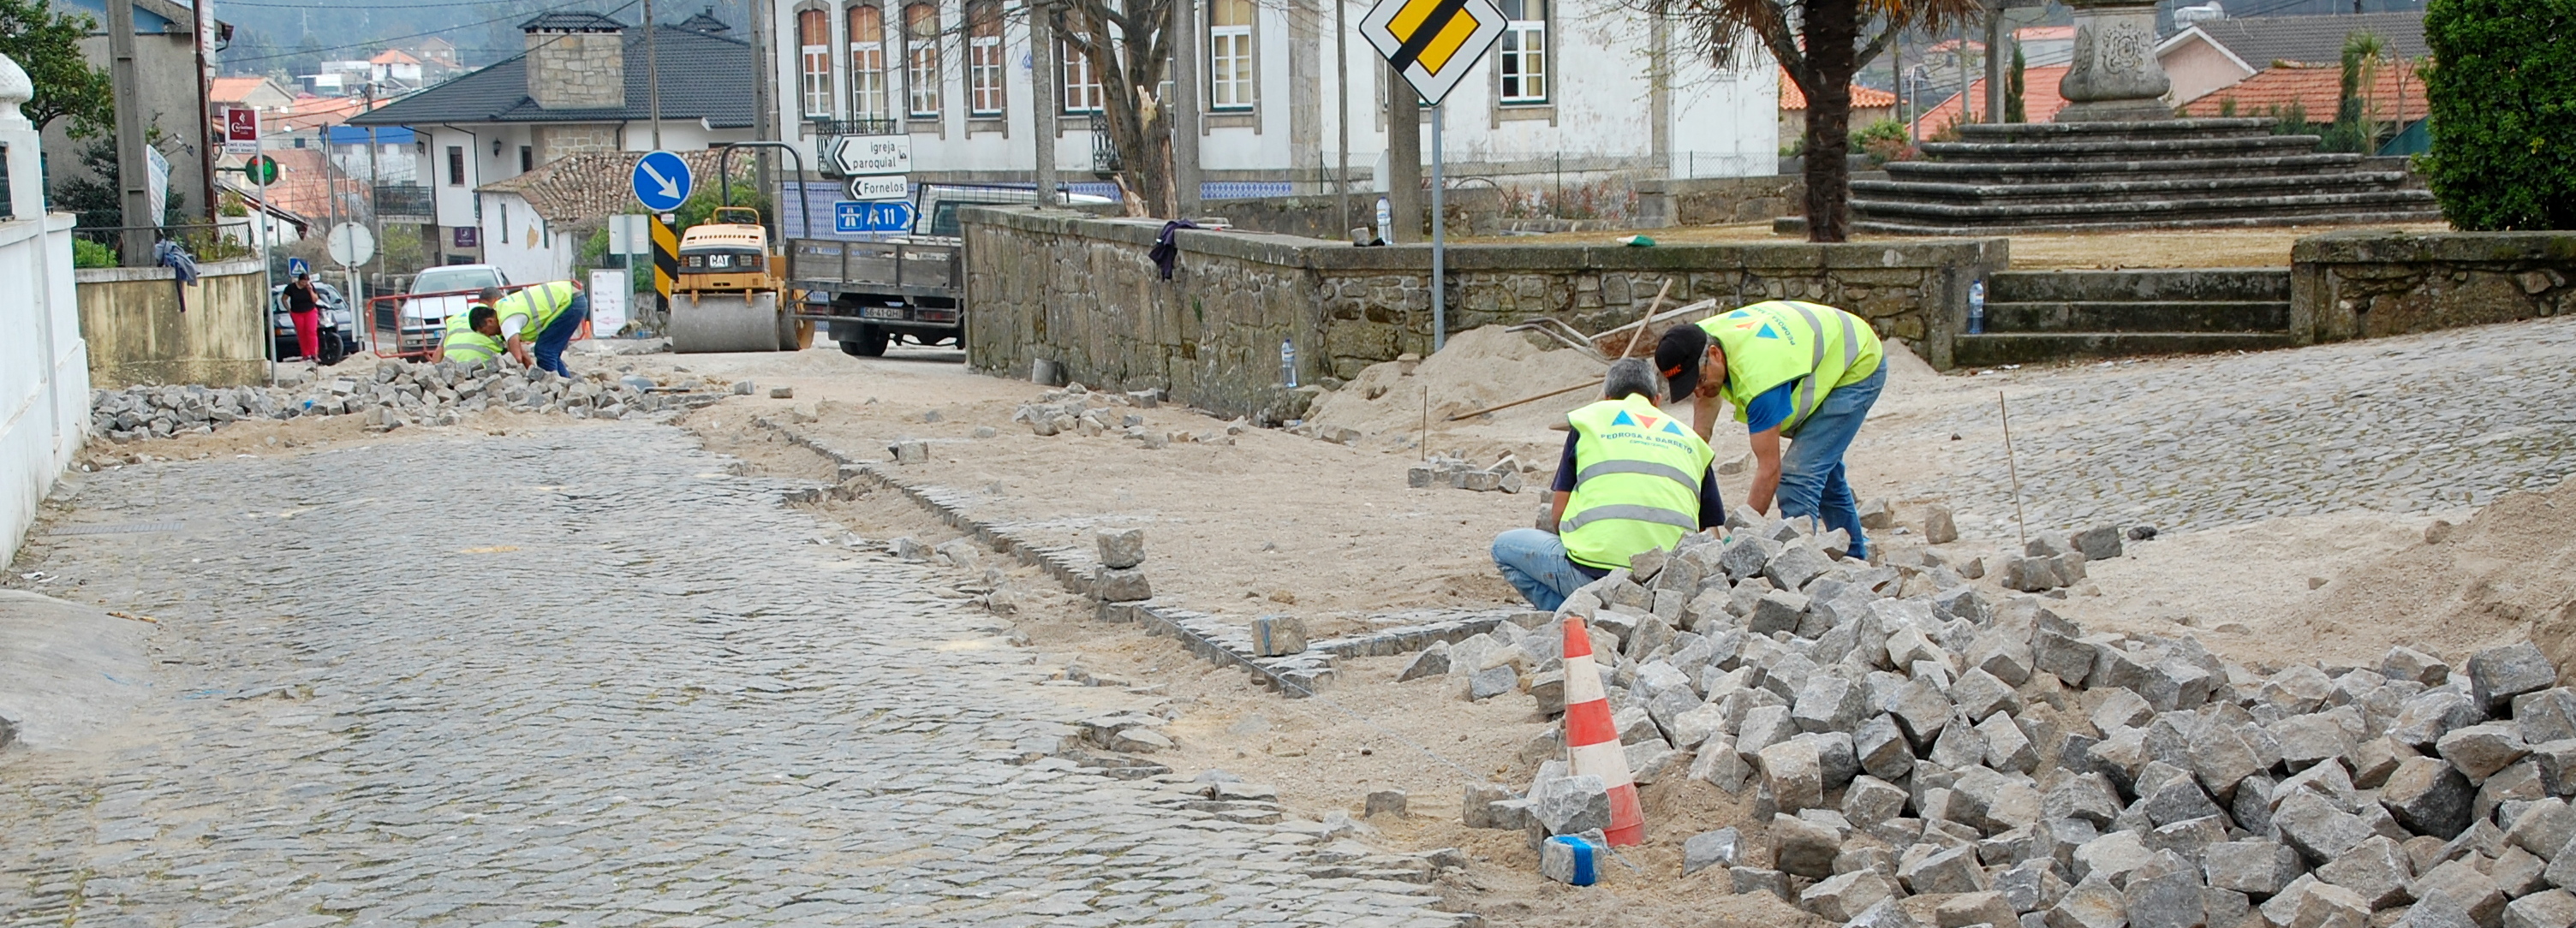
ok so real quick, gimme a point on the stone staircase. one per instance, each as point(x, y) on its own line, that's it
point(2110, 176)
point(2038, 316)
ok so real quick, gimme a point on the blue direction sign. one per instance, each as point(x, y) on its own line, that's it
point(661, 181)
point(879, 216)
point(296, 266)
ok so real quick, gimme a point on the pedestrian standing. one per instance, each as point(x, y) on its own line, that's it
point(303, 306)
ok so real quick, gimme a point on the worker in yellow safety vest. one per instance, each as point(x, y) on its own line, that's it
point(473, 337)
point(545, 315)
point(1632, 479)
point(1806, 372)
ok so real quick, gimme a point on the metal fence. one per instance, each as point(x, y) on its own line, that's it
point(206, 241)
point(405, 200)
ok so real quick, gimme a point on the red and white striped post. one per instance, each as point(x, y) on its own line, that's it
point(1592, 743)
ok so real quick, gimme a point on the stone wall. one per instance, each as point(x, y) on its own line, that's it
point(1717, 201)
point(1082, 292)
point(559, 141)
point(2363, 284)
point(139, 329)
point(577, 70)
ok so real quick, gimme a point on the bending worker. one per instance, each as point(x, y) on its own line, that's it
point(473, 337)
point(546, 314)
point(1802, 371)
point(1631, 479)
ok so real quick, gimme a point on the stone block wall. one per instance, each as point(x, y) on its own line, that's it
point(1472, 211)
point(2363, 284)
point(1082, 292)
point(558, 141)
point(577, 70)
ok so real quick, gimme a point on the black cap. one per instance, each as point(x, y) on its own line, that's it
point(1678, 356)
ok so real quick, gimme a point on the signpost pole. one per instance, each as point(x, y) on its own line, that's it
point(1439, 239)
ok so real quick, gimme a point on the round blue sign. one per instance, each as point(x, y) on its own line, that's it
point(661, 181)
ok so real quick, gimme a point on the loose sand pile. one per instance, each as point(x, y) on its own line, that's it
point(1476, 369)
point(2508, 571)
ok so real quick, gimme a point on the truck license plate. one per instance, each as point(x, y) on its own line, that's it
point(880, 312)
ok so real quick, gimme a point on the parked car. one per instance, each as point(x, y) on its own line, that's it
point(422, 319)
point(339, 328)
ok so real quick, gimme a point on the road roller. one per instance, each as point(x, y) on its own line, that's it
point(729, 294)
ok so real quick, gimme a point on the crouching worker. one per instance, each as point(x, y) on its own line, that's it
point(1631, 479)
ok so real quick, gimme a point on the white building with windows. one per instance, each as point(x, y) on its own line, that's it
point(1570, 93)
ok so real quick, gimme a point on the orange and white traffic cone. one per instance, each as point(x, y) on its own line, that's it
point(1592, 743)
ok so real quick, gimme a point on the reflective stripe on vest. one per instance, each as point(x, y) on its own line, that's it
point(1762, 352)
point(1636, 482)
point(463, 345)
point(540, 304)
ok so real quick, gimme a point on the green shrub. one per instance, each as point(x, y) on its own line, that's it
point(2502, 88)
point(86, 253)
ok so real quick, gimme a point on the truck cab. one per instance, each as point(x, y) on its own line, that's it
point(908, 287)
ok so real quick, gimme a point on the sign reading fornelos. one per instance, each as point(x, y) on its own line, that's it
point(1433, 43)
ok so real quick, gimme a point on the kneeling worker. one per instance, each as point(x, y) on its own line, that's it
point(1802, 371)
point(473, 337)
point(547, 315)
point(1631, 479)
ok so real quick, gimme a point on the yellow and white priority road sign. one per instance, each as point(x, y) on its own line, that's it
point(1433, 43)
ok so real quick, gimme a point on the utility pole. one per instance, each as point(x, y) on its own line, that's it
point(375, 208)
point(1185, 109)
point(1342, 102)
point(1995, 62)
point(764, 116)
point(1403, 160)
point(1045, 82)
point(652, 75)
point(203, 12)
point(134, 168)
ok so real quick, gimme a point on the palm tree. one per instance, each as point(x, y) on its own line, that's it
point(1822, 44)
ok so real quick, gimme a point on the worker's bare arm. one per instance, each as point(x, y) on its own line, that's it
point(1766, 471)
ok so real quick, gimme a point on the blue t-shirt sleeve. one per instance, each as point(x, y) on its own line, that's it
point(1767, 411)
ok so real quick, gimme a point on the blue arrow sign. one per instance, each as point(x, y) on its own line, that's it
point(661, 181)
point(296, 266)
point(879, 216)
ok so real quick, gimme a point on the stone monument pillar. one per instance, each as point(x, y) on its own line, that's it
point(2115, 76)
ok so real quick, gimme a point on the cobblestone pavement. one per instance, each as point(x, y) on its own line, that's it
point(2412, 424)
point(584, 676)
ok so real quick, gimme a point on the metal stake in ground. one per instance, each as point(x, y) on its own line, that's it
point(1439, 242)
point(2019, 526)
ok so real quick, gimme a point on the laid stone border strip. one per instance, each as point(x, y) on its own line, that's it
point(1220, 642)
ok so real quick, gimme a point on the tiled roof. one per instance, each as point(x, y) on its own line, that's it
point(1862, 98)
point(2261, 40)
point(236, 89)
point(2394, 93)
point(579, 187)
point(703, 77)
point(2039, 99)
point(2045, 33)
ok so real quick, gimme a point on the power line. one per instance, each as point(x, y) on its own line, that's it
point(302, 52)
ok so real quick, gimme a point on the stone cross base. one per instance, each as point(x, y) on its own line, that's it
point(2114, 76)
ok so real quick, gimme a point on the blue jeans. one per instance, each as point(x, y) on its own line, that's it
point(551, 342)
point(1812, 480)
point(1535, 563)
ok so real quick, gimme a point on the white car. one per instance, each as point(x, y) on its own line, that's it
point(425, 316)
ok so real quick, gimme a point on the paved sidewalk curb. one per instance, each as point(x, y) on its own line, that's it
point(1222, 643)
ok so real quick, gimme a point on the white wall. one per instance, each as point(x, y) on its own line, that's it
point(1600, 105)
point(44, 364)
point(521, 243)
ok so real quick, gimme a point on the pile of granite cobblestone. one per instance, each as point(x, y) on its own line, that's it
point(1904, 734)
point(393, 394)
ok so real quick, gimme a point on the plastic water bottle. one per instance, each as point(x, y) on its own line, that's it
point(1976, 307)
point(1288, 363)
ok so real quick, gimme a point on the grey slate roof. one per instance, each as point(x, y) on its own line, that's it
point(572, 22)
point(2261, 40)
point(703, 76)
